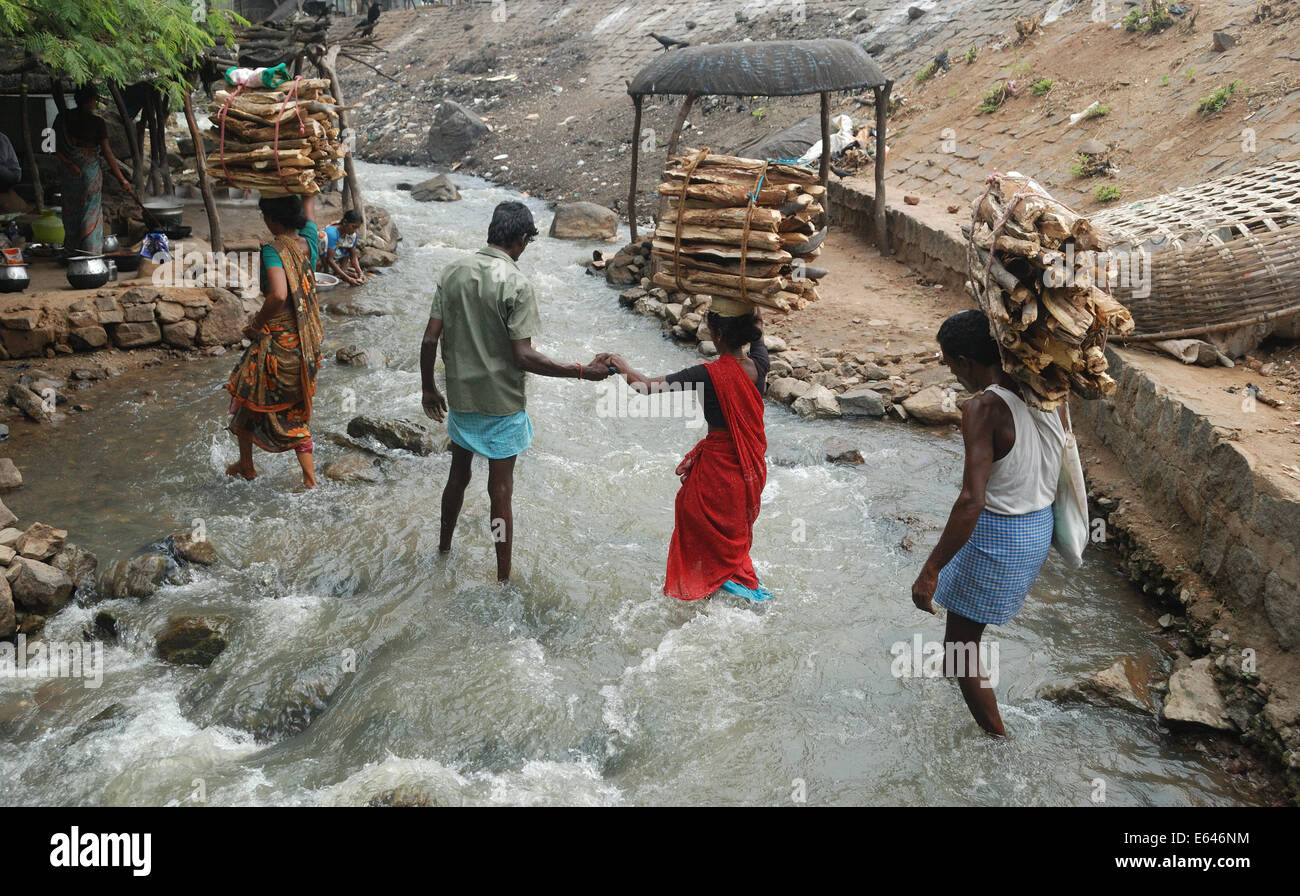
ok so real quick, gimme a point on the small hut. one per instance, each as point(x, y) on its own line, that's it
point(765, 68)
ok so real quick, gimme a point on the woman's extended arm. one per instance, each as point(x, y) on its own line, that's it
point(638, 381)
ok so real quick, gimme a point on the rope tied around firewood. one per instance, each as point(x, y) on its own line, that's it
point(681, 207)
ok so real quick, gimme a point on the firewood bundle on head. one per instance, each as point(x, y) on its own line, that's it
point(1033, 269)
point(742, 230)
point(277, 140)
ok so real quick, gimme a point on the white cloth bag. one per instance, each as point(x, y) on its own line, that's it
point(1070, 508)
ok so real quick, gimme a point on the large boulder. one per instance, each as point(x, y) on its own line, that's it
point(453, 133)
point(38, 587)
point(193, 640)
point(401, 435)
point(10, 478)
point(181, 334)
point(225, 321)
point(934, 405)
point(40, 542)
point(436, 189)
point(584, 221)
point(1194, 699)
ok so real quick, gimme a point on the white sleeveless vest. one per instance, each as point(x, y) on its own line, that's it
point(1025, 480)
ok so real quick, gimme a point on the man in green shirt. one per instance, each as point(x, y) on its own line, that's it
point(485, 314)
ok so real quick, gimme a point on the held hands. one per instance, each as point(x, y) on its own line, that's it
point(435, 406)
point(596, 370)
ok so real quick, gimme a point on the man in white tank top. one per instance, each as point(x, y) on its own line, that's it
point(1000, 528)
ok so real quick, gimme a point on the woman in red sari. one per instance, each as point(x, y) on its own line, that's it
point(723, 476)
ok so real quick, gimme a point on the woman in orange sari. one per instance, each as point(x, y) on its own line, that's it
point(273, 384)
point(723, 476)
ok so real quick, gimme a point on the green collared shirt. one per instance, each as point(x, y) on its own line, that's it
point(484, 302)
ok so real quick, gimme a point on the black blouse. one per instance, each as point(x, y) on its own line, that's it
point(700, 374)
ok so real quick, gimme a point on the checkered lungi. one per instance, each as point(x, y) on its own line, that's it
point(988, 579)
point(491, 437)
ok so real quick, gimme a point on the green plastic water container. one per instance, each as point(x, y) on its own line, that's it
point(48, 228)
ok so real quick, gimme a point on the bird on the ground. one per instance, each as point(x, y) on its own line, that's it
point(669, 42)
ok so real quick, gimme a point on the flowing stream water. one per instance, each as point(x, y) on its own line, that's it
point(581, 683)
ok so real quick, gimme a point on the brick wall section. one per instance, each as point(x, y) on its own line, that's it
point(1246, 528)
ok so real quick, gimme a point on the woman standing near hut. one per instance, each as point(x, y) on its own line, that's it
point(81, 144)
point(273, 384)
point(723, 476)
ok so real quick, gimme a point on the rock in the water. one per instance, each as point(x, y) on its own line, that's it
point(818, 402)
point(436, 189)
point(193, 640)
point(1122, 685)
point(584, 221)
point(453, 133)
point(31, 404)
point(105, 628)
point(842, 451)
point(79, 565)
point(38, 587)
point(397, 434)
point(7, 516)
point(193, 549)
point(41, 542)
point(1194, 699)
point(137, 576)
point(10, 478)
point(352, 467)
point(934, 406)
point(915, 12)
point(862, 403)
point(351, 356)
point(8, 618)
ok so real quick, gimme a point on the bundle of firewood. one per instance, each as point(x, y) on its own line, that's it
point(741, 229)
point(249, 152)
point(1040, 273)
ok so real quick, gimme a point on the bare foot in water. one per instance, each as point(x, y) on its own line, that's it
point(238, 469)
point(308, 463)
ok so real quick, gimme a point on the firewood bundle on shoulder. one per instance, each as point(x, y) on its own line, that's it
point(741, 229)
point(277, 140)
point(1039, 271)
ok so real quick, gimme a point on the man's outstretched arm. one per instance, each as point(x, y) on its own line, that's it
point(530, 360)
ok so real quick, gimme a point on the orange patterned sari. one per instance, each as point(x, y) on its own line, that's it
point(273, 384)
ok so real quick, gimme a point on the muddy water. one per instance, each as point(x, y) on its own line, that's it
point(581, 683)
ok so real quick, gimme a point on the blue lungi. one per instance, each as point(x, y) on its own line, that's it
point(492, 437)
point(988, 579)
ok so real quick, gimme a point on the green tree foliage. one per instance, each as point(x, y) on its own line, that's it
point(116, 40)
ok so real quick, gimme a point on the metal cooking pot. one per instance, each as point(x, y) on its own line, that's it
point(111, 243)
point(14, 277)
point(88, 272)
point(168, 212)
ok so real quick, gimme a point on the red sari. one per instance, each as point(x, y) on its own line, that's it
point(722, 486)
